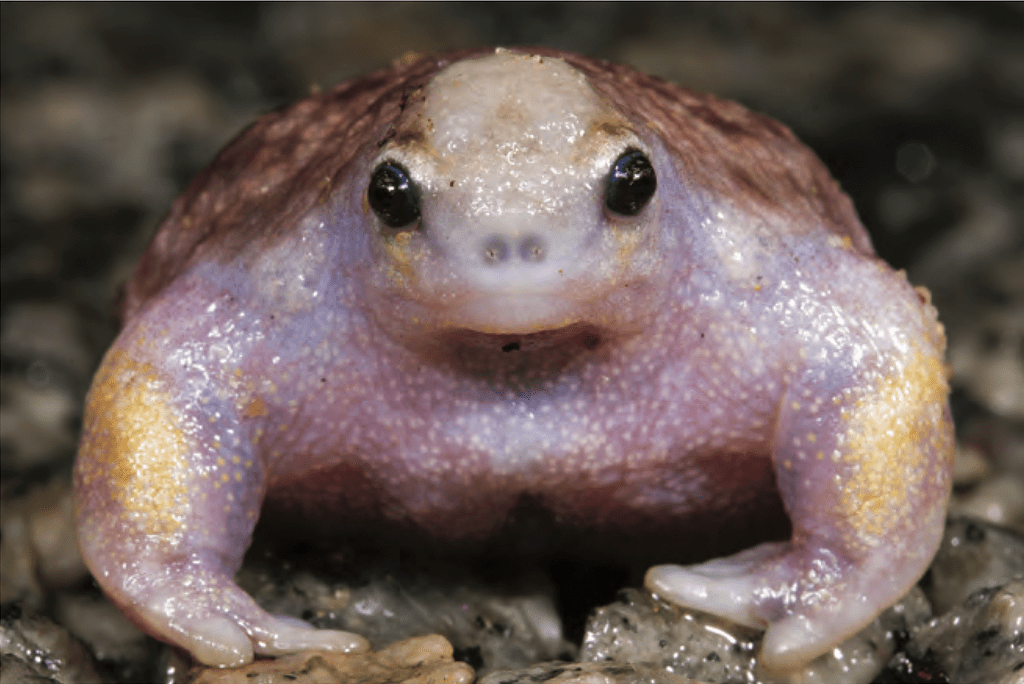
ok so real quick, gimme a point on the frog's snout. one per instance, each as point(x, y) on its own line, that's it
point(500, 249)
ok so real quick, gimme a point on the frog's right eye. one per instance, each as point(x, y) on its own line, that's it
point(392, 195)
point(631, 183)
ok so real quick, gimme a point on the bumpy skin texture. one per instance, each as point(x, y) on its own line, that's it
point(654, 383)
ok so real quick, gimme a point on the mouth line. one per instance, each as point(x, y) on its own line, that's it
point(516, 315)
point(583, 335)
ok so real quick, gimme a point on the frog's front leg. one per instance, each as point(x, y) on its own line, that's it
point(167, 494)
point(864, 472)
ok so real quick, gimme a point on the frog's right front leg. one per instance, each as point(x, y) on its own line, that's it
point(167, 493)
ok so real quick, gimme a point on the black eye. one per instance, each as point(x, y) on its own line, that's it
point(392, 196)
point(631, 183)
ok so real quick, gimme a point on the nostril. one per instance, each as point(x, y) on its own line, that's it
point(496, 250)
point(532, 249)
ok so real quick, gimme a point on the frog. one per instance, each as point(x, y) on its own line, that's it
point(519, 284)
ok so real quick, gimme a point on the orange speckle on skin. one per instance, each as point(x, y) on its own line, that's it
point(134, 447)
point(897, 439)
point(255, 409)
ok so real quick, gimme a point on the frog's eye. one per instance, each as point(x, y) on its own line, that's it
point(631, 183)
point(392, 195)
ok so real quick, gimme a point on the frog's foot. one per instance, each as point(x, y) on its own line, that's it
point(807, 599)
point(221, 626)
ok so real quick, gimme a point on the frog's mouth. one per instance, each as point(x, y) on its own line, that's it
point(519, 361)
point(516, 313)
point(578, 336)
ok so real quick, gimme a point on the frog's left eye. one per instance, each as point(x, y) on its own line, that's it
point(631, 183)
point(392, 195)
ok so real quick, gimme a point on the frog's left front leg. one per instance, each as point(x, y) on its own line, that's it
point(167, 491)
point(864, 473)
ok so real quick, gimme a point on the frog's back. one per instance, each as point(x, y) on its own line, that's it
point(276, 171)
point(290, 160)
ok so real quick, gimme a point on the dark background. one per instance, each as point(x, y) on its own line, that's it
point(108, 110)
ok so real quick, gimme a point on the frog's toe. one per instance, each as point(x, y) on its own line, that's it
point(216, 641)
point(791, 643)
point(239, 628)
point(725, 586)
point(222, 626)
point(807, 600)
point(219, 641)
point(281, 634)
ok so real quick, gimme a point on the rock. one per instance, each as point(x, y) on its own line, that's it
point(37, 419)
point(35, 649)
point(998, 500)
point(422, 660)
point(108, 634)
point(490, 627)
point(641, 628)
point(588, 673)
point(986, 359)
point(38, 543)
point(979, 641)
point(973, 555)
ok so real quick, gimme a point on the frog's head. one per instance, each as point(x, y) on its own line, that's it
point(511, 199)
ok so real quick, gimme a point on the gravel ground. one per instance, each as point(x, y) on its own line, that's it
point(106, 112)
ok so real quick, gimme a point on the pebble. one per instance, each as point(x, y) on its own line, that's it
point(492, 627)
point(640, 628)
point(973, 556)
point(422, 660)
point(981, 640)
point(38, 543)
point(35, 650)
point(998, 500)
point(589, 673)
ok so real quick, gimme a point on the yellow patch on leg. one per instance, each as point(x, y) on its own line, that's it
point(897, 444)
point(134, 449)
